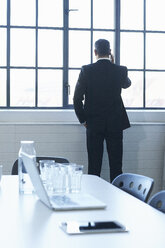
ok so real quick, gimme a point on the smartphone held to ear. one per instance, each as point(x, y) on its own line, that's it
point(112, 58)
point(80, 227)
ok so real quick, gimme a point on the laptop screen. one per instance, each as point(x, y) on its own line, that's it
point(30, 165)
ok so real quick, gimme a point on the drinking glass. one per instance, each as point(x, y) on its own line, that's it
point(75, 178)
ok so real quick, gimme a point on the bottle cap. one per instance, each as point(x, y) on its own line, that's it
point(27, 142)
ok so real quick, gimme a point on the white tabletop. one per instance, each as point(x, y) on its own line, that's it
point(26, 223)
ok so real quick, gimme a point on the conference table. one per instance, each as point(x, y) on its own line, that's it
point(25, 222)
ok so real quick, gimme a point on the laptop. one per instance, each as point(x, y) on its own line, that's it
point(59, 201)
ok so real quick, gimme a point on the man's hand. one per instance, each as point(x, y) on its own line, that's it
point(112, 59)
point(84, 124)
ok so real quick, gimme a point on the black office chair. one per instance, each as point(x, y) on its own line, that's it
point(134, 184)
point(158, 201)
point(56, 159)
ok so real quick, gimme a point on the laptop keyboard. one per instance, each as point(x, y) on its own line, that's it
point(61, 200)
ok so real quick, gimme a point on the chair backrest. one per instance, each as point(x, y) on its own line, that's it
point(57, 160)
point(158, 201)
point(137, 185)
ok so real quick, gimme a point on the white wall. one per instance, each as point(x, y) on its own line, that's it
point(144, 145)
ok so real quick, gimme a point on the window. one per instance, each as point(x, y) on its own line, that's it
point(86, 25)
point(44, 43)
point(142, 50)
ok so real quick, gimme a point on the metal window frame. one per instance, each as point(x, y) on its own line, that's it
point(117, 31)
point(144, 70)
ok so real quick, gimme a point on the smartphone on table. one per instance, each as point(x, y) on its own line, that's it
point(80, 227)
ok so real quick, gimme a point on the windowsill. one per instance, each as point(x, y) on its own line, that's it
point(38, 116)
point(146, 116)
point(137, 117)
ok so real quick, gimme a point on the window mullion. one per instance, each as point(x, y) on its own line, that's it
point(144, 74)
point(65, 53)
point(117, 31)
point(36, 58)
point(8, 53)
point(91, 31)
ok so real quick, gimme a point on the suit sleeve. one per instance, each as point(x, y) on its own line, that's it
point(78, 98)
point(126, 82)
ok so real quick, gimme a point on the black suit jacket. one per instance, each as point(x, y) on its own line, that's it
point(97, 95)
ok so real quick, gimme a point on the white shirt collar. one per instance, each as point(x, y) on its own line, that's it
point(103, 59)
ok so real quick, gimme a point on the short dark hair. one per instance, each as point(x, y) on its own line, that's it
point(102, 47)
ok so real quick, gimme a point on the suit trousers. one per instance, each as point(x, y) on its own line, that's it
point(95, 148)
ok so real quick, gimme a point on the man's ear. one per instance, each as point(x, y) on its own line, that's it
point(95, 51)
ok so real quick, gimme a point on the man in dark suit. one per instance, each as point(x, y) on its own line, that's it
point(99, 107)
